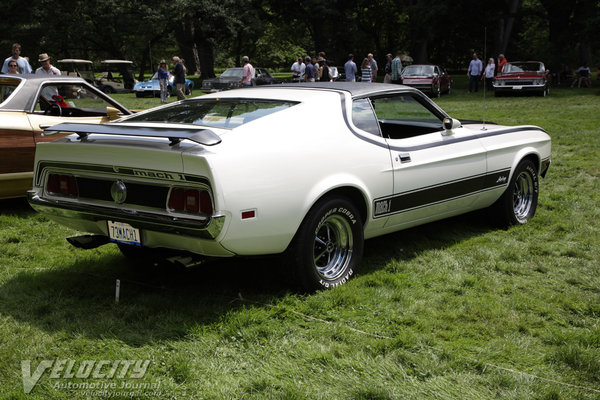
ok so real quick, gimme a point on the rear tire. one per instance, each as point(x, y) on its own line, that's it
point(329, 244)
point(518, 203)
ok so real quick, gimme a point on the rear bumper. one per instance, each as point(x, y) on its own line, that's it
point(157, 230)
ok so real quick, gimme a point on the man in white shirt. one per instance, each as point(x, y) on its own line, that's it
point(298, 70)
point(474, 72)
point(373, 65)
point(46, 68)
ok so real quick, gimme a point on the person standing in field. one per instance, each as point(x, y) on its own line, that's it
point(247, 72)
point(163, 78)
point(350, 69)
point(179, 81)
point(474, 73)
point(397, 68)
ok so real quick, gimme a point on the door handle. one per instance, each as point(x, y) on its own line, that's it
point(44, 126)
point(404, 157)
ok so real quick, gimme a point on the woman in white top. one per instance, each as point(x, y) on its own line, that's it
point(488, 74)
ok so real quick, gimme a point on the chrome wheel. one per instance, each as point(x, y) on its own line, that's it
point(523, 196)
point(332, 249)
point(328, 245)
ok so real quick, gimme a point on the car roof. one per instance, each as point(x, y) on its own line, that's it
point(23, 97)
point(356, 89)
point(116, 62)
point(75, 60)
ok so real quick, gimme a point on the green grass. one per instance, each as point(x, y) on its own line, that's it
point(451, 310)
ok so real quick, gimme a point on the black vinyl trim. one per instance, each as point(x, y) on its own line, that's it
point(436, 194)
point(121, 171)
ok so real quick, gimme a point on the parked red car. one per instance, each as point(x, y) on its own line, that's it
point(431, 79)
point(522, 77)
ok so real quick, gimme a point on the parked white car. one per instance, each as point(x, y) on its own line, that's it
point(307, 170)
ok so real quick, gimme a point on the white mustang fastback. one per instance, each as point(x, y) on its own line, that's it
point(307, 170)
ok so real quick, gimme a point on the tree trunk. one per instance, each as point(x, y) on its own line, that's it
point(506, 26)
point(207, 59)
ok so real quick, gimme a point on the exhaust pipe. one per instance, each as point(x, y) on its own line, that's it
point(88, 241)
point(183, 261)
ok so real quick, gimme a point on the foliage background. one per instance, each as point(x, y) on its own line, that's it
point(273, 33)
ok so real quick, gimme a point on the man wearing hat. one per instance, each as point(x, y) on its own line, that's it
point(46, 68)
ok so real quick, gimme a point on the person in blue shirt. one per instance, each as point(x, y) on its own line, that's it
point(474, 72)
point(163, 77)
point(350, 69)
point(309, 70)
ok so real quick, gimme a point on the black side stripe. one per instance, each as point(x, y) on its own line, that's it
point(437, 194)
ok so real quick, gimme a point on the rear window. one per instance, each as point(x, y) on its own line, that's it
point(218, 113)
point(7, 87)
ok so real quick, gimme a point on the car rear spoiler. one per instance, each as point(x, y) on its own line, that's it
point(175, 135)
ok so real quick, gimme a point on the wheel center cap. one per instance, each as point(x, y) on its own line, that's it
point(330, 247)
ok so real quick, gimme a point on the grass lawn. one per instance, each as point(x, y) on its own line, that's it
point(456, 309)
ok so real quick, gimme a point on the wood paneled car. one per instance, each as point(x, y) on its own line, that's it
point(28, 105)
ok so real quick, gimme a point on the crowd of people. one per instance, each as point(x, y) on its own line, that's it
point(15, 64)
point(318, 68)
point(310, 69)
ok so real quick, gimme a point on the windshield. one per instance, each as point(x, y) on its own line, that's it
point(232, 72)
point(218, 113)
point(523, 67)
point(418, 70)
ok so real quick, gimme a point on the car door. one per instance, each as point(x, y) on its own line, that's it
point(437, 172)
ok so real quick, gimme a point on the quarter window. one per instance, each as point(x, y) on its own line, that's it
point(363, 116)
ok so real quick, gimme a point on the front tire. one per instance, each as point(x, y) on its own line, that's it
point(329, 244)
point(519, 201)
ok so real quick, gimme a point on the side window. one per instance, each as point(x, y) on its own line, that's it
point(403, 116)
point(69, 95)
point(363, 117)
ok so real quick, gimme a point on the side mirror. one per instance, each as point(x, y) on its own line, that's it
point(449, 125)
point(112, 113)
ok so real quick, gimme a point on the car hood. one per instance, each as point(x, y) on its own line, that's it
point(521, 75)
point(417, 78)
point(224, 80)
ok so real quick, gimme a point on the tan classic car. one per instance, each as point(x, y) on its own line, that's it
point(31, 103)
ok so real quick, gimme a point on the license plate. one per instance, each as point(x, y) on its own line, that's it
point(517, 87)
point(124, 233)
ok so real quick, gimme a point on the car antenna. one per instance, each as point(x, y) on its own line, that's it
point(483, 128)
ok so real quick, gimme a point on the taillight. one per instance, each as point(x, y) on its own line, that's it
point(62, 185)
point(190, 201)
